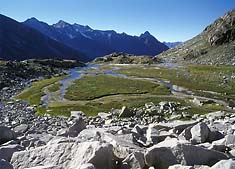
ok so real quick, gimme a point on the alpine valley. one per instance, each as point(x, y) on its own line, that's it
point(73, 97)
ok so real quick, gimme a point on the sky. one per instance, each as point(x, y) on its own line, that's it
point(167, 20)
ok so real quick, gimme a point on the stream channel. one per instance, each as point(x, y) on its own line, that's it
point(94, 69)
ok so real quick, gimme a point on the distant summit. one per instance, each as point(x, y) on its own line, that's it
point(61, 24)
point(95, 43)
point(215, 45)
point(172, 44)
point(145, 34)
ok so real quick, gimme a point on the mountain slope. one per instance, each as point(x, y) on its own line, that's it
point(18, 42)
point(97, 42)
point(215, 45)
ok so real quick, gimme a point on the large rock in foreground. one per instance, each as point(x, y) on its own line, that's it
point(66, 155)
point(173, 152)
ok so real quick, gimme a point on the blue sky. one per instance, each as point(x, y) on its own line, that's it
point(167, 20)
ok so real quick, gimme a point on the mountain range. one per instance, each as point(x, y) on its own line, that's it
point(214, 45)
point(19, 42)
point(95, 43)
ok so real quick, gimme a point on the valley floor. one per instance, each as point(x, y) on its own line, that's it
point(100, 88)
point(119, 116)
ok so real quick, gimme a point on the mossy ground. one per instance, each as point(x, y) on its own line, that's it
point(92, 87)
point(197, 78)
point(101, 93)
point(34, 93)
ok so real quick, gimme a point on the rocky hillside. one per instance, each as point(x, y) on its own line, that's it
point(13, 73)
point(124, 58)
point(215, 45)
point(19, 42)
point(95, 43)
point(139, 139)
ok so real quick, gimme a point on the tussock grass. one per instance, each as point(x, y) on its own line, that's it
point(93, 87)
point(193, 77)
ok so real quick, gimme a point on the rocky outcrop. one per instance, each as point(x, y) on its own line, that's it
point(171, 152)
point(222, 30)
point(124, 58)
point(68, 155)
point(215, 45)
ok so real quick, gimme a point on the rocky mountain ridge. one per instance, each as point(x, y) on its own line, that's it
point(215, 45)
point(96, 43)
point(19, 42)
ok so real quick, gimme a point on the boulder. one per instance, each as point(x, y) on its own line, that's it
point(153, 111)
point(135, 161)
point(5, 164)
point(224, 164)
point(228, 140)
point(76, 114)
point(216, 115)
point(232, 152)
point(215, 135)
point(67, 155)
point(186, 133)
point(177, 126)
point(74, 130)
point(152, 134)
point(104, 115)
point(77, 127)
point(125, 112)
point(139, 129)
point(6, 152)
point(173, 151)
point(122, 144)
point(6, 134)
point(22, 128)
point(200, 133)
point(155, 135)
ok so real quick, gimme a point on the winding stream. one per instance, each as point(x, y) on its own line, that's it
point(78, 73)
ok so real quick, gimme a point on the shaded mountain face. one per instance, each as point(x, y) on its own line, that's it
point(18, 42)
point(215, 45)
point(96, 43)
